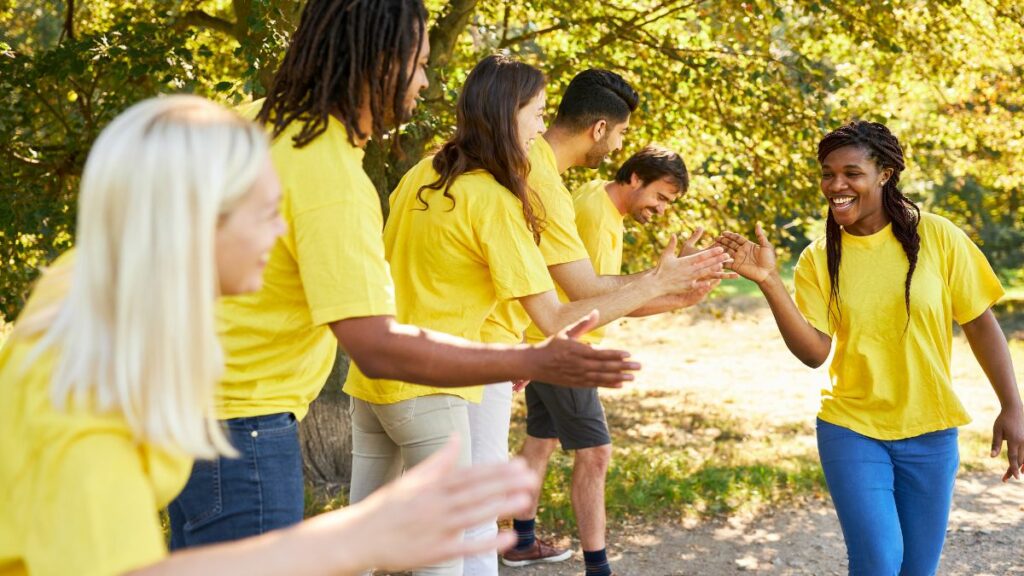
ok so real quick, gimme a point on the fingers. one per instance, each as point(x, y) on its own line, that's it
point(761, 238)
point(1013, 456)
point(695, 237)
point(997, 440)
point(581, 326)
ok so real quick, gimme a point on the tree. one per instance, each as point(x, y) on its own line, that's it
point(743, 90)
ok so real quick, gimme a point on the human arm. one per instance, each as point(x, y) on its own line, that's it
point(385, 348)
point(756, 262)
point(989, 346)
point(673, 274)
point(418, 520)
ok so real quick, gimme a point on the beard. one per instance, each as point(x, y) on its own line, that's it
point(597, 153)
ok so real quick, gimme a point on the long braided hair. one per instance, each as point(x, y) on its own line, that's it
point(884, 148)
point(486, 134)
point(343, 51)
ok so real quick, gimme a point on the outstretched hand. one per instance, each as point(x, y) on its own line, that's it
point(752, 261)
point(563, 360)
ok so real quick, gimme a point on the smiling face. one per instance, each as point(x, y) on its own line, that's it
point(646, 200)
point(246, 234)
point(852, 184)
point(530, 120)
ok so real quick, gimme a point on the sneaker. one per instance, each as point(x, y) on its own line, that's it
point(540, 552)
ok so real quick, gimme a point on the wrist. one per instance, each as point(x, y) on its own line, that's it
point(771, 281)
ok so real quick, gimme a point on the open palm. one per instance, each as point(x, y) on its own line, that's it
point(753, 261)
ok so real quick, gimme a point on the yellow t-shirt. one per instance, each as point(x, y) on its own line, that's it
point(79, 494)
point(451, 264)
point(328, 266)
point(600, 225)
point(886, 383)
point(560, 242)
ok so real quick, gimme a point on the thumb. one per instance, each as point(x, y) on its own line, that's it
point(761, 238)
point(440, 463)
point(670, 248)
point(695, 237)
point(581, 326)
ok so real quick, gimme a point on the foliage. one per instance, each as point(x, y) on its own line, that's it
point(742, 89)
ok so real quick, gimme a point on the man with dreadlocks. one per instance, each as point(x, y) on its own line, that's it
point(354, 69)
point(887, 282)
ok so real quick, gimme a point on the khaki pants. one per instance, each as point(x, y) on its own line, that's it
point(389, 438)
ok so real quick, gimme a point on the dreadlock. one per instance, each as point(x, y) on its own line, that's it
point(883, 147)
point(343, 51)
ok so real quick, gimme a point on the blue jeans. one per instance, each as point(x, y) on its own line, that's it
point(892, 497)
point(231, 498)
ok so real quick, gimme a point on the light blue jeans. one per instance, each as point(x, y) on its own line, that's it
point(892, 497)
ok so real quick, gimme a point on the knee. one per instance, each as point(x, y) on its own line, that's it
point(875, 557)
point(596, 459)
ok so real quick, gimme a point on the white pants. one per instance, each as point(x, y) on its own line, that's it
point(488, 425)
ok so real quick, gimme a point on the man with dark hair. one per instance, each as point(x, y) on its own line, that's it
point(592, 120)
point(353, 71)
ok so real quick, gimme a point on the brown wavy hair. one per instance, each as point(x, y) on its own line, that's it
point(884, 148)
point(486, 134)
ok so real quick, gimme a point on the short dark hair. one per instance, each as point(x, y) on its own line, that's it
point(655, 163)
point(594, 95)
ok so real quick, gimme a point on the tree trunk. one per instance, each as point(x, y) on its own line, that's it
point(326, 435)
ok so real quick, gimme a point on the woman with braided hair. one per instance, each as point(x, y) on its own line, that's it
point(887, 282)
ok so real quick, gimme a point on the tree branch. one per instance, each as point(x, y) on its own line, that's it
point(201, 19)
point(69, 23)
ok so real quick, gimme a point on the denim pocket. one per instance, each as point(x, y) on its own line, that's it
point(201, 500)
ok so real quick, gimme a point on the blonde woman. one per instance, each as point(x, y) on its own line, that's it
point(107, 383)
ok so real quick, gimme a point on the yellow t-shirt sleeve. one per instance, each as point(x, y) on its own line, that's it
point(340, 254)
point(94, 511)
point(811, 295)
point(973, 285)
point(516, 265)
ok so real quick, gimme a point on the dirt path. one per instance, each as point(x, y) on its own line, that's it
point(986, 536)
point(733, 356)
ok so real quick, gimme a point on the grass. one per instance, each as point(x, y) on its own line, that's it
point(678, 459)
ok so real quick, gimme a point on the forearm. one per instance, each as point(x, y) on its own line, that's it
point(610, 306)
point(413, 354)
point(579, 281)
point(805, 341)
point(990, 348)
point(304, 549)
point(660, 305)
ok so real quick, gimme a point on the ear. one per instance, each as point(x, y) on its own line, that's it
point(635, 182)
point(599, 129)
point(886, 174)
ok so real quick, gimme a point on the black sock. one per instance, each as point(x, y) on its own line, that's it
point(525, 533)
point(597, 563)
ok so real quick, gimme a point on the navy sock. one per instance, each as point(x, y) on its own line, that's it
point(524, 533)
point(597, 563)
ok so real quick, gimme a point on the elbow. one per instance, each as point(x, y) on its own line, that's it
point(372, 366)
point(812, 362)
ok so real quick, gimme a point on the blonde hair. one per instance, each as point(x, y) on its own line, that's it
point(136, 332)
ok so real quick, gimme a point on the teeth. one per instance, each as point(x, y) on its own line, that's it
point(842, 200)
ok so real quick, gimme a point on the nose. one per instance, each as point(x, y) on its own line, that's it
point(660, 208)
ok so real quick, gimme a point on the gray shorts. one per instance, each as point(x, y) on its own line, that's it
point(573, 415)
